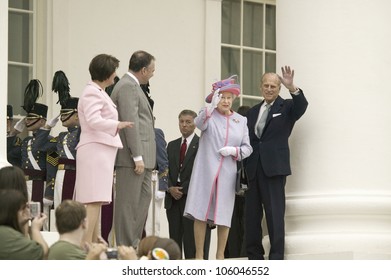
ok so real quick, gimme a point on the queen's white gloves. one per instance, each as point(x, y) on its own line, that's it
point(215, 99)
point(47, 202)
point(228, 151)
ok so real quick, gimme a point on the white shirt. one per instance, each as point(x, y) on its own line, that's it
point(261, 110)
point(134, 77)
point(188, 140)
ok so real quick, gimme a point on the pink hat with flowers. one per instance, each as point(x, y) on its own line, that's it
point(227, 85)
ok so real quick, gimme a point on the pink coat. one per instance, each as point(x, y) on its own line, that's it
point(98, 145)
point(98, 117)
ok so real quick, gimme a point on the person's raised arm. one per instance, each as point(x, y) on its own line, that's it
point(287, 78)
point(36, 235)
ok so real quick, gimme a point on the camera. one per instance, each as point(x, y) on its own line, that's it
point(35, 209)
point(112, 253)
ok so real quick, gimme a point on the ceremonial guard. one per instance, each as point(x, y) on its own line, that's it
point(62, 177)
point(159, 185)
point(13, 141)
point(35, 147)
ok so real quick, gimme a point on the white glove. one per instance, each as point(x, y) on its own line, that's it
point(52, 123)
point(20, 125)
point(159, 195)
point(216, 98)
point(228, 151)
point(47, 202)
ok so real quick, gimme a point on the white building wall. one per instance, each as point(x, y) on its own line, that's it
point(174, 31)
point(339, 196)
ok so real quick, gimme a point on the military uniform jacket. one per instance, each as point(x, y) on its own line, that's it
point(39, 146)
point(13, 150)
point(66, 143)
point(69, 139)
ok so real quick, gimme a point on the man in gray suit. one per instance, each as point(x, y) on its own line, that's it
point(137, 159)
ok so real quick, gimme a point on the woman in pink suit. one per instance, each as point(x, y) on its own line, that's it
point(99, 142)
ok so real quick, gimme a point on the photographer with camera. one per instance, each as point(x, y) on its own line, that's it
point(71, 224)
point(18, 242)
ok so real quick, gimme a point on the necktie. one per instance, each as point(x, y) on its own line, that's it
point(182, 152)
point(262, 120)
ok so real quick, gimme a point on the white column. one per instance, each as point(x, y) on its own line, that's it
point(339, 196)
point(3, 80)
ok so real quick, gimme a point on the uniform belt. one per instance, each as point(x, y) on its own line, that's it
point(66, 167)
point(34, 178)
point(34, 175)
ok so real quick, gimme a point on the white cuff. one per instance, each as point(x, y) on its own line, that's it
point(296, 92)
point(138, 158)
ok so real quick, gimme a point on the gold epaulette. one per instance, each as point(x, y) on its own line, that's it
point(164, 173)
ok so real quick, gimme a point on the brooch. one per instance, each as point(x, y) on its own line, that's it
point(236, 120)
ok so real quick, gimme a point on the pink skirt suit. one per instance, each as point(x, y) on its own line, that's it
point(98, 146)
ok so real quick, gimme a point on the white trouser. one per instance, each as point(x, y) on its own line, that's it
point(152, 225)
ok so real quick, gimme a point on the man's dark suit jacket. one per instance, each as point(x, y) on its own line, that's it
point(185, 233)
point(273, 148)
point(173, 150)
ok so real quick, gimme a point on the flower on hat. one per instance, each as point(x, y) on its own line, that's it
point(226, 85)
